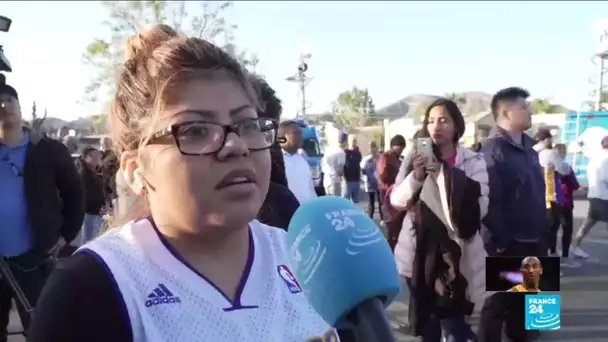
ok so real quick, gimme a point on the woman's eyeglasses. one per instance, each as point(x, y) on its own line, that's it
point(195, 138)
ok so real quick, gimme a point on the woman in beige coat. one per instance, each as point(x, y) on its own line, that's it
point(444, 124)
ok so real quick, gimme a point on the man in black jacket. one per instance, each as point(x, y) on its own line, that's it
point(109, 168)
point(41, 208)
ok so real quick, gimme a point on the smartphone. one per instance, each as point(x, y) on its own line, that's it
point(424, 147)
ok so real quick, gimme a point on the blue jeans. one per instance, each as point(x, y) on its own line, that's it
point(90, 227)
point(351, 191)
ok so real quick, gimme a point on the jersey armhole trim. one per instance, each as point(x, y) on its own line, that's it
point(120, 297)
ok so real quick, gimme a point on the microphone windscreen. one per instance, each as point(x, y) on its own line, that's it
point(340, 257)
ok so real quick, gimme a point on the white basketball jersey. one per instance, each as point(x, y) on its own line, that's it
point(167, 300)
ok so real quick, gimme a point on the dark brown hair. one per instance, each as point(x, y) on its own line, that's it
point(271, 108)
point(158, 60)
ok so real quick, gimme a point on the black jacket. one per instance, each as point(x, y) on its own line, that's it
point(93, 185)
point(109, 167)
point(53, 192)
point(352, 166)
point(436, 251)
point(278, 207)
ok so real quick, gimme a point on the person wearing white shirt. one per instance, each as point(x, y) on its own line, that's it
point(302, 153)
point(297, 170)
point(548, 157)
point(597, 178)
point(332, 165)
point(192, 264)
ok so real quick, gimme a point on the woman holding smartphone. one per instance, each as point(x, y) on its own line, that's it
point(437, 152)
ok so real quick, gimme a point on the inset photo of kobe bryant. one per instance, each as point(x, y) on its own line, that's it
point(528, 274)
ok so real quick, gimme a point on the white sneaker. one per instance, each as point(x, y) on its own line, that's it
point(553, 254)
point(577, 251)
point(569, 263)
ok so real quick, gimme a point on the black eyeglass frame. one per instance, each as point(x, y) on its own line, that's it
point(173, 131)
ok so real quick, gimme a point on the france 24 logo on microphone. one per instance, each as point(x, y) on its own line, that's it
point(543, 312)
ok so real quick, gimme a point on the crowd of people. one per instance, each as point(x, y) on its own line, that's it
point(183, 217)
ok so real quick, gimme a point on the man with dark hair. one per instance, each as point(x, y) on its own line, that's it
point(506, 98)
point(109, 168)
point(516, 223)
point(41, 203)
point(516, 183)
point(280, 203)
point(389, 163)
point(531, 269)
point(299, 177)
point(352, 170)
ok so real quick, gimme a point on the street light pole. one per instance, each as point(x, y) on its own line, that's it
point(302, 76)
point(302, 80)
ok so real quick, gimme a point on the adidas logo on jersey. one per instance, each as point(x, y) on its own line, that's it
point(161, 295)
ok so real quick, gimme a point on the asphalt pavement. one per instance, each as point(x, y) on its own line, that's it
point(584, 293)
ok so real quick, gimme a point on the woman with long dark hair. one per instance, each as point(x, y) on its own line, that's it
point(439, 251)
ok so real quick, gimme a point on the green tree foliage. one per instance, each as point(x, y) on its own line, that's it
point(204, 19)
point(353, 108)
point(99, 124)
point(459, 99)
point(540, 106)
point(419, 110)
point(544, 106)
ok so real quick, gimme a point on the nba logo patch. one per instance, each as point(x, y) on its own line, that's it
point(289, 279)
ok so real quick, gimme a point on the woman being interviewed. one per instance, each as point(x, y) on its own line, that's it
point(440, 251)
point(198, 267)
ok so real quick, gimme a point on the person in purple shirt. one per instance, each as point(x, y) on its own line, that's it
point(548, 156)
point(569, 184)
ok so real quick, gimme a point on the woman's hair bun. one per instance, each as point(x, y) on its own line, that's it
point(144, 43)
